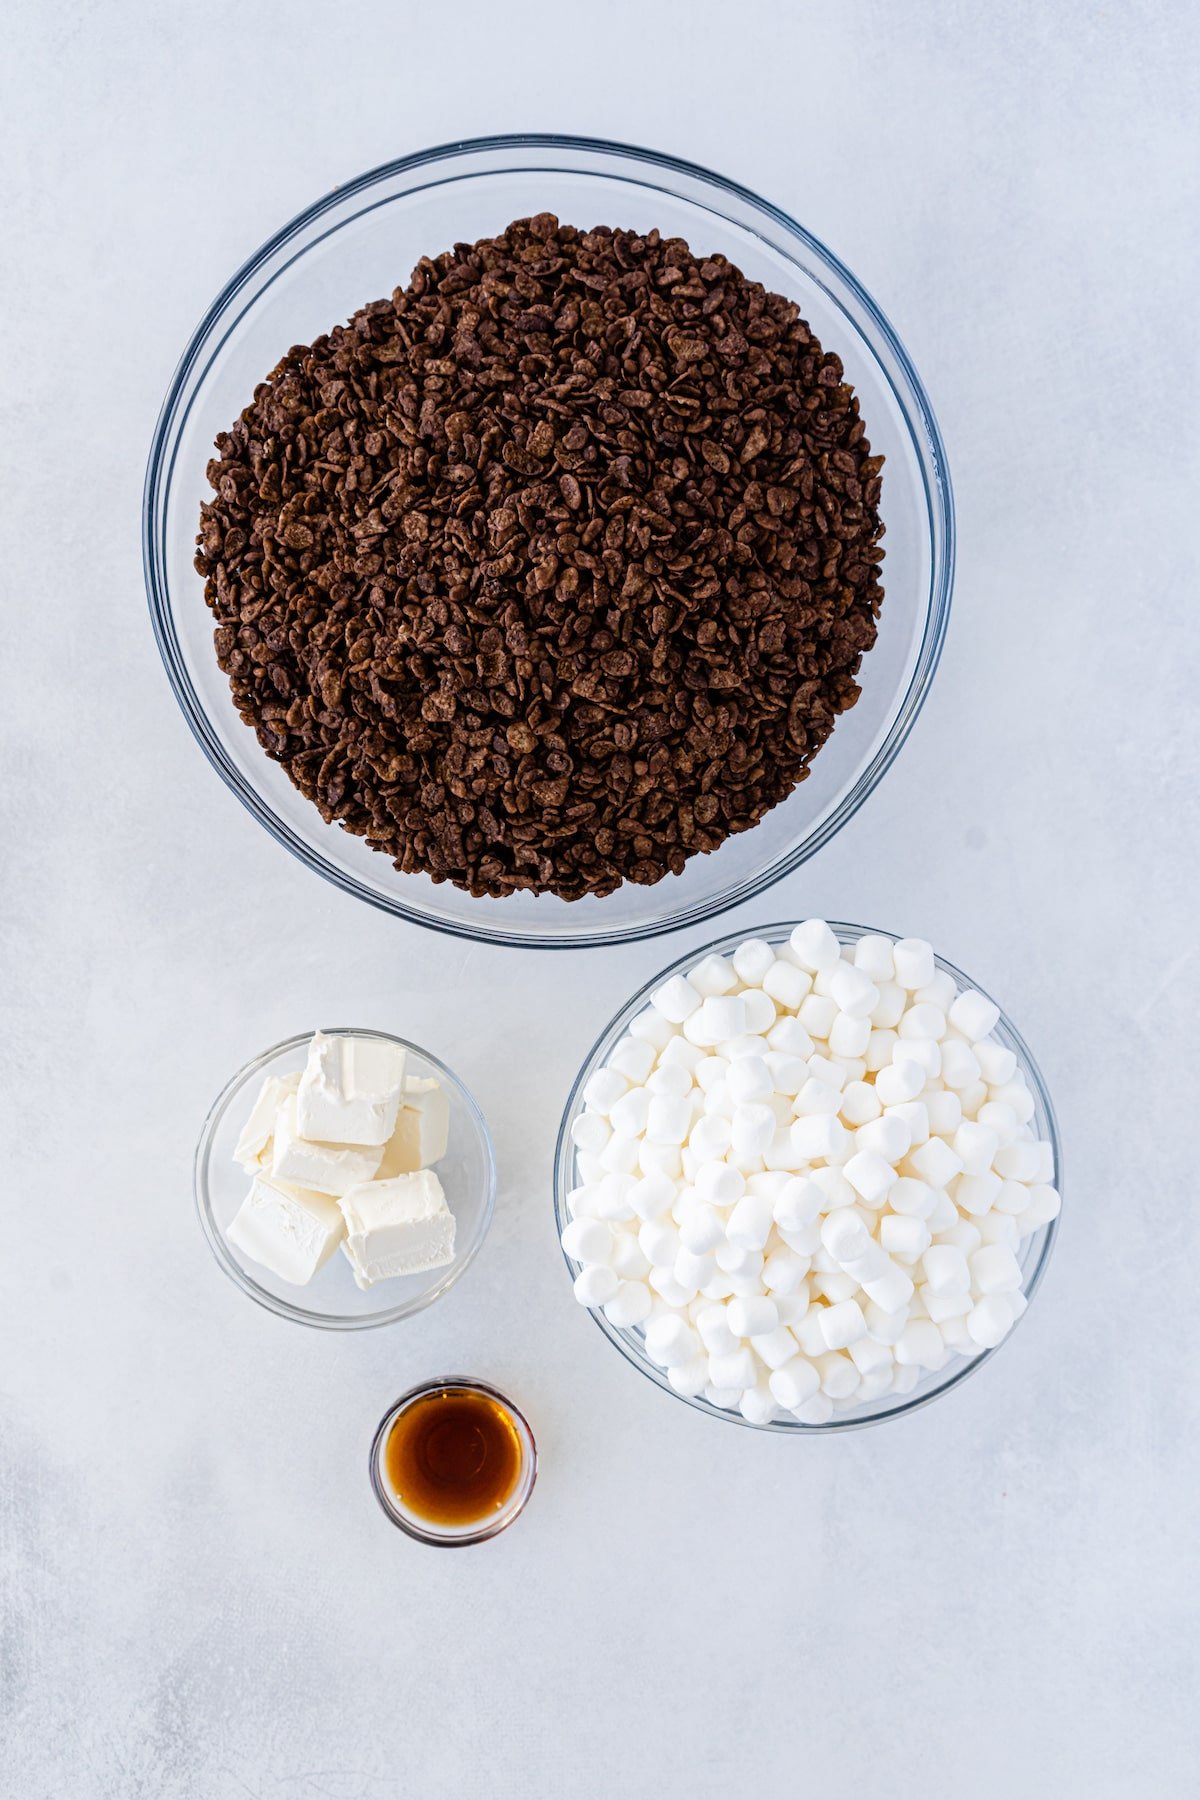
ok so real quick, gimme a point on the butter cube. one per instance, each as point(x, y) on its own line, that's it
point(289, 1230)
point(351, 1090)
point(397, 1227)
point(422, 1130)
point(326, 1168)
point(253, 1148)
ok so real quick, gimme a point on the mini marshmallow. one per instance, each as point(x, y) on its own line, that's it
point(999, 1228)
point(854, 992)
point(603, 1089)
point(757, 1405)
point(774, 1348)
point(620, 1155)
point(751, 1043)
point(590, 1131)
point(888, 1136)
point(990, 1320)
point(849, 1037)
point(689, 1378)
point(963, 1234)
point(676, 1000)
point(994, 1270)
point(839, 1377)
point(794, 1382)
point(693, 1269)
point(670, 1290)
point(628, 1115)
point(843, 1324)
point(941, 1308)
point(679, 1051)
point(614, 1195)
point(901, 1081)
point(672, 1079)
point(814, 945)
point(943, 1110)
point(945, 1269)
point(914, 1115)
point(1044, 1205)
point(911, 1197)
point(934, 1162)
point(786, 984)
point(750, 1079)
point(668, 1120)
point(888, 1010)
point(784, 1272)
point(709, 1138)
point(588, 1240)
point(974, 1015)
point(652, 1195)
point(920, 1345)
point(1016, 1095)
point(835, 1188)
point(959, 1066)
point(629, 1306)
point(715, 975)
point(628, 1258)
point(669, 1337)
point(868, 1355)
point(596, 1284)
point(660, 1242)
point(817, 1411)
point(753, 1127)
point(650, 1027)
point(714, 1331)
point(799, 1202)
point(788, 1073)
point(817, 1097)
point(923, 1021)
point(976, 1193)
point(845, 1235)
point(820, 1137)
point(751, 961)
point(723, 1016)
point(915, 966)
point(633, 1058)
point(1019, 1161)
point(749, 1224)
point(868, 1173)
point(976, 1147)
point(817, 1014)
point(925, 1052)
point(878, 1053)
point(788, 1037)
point(701, 1229)
point(891, 1290)
point(873, 955)
point(719, 1184)
point(902, 1235)
point(939, 992)
point(727, 1399)
point(885, 1327)
point(752, 1317)
point(997, 1065)
point(860, 1103)
point(739, 1370)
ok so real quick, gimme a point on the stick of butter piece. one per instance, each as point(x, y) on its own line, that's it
point(252, 1150)
point(397, 1227)
point(351, 1089)
point(289, 1230)
point(326, 1168)
point(422, 1130)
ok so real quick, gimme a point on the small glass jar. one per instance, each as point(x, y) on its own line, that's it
point(495, 1516)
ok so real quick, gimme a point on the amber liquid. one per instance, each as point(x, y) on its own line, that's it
point(453, 1457)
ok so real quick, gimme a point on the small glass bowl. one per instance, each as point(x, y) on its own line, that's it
point(359, 243)
point(473, 1532)
point(332, 1299)
point(1033, 1254)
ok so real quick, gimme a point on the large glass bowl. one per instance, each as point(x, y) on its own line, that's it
point(467, 1172)
point(358, 244)
point(1033, 1254)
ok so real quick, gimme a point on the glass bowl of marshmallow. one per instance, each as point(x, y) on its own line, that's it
point(345, 1178)
point(808, 1178)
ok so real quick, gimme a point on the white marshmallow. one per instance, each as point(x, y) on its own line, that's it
point(715, 975)
point(774, 1348)
point(925, 1052)
point(788, 1037)
point(902, 1235)
point(935, 1163)
point(701, 1229)
point(873, 955)
point(588, 1240)
point(976, 1147)
point(633, 1058)
point(668, 1120)
point(974, 1015)
point(668, 1288)
point(843, 1324)
point(994, 1270)
point(676, 1000)
point(1019, 1161)
point(990, 1320)
point(628, 1259)
point(923, 1021)
point(1016, 1095)
point(629, 1115)
point(714, 1331)
point(920, 1345)
point(860, 1103)
point(849, 1037)
point(751, 961)
point(660, 1243)
point(911, 1197)
point(671, 1079)
point(888, 1136)
point(753, 1127)
point(620, 1155)
point(915, 966)
point(878, 1053)
point(680, 1052)
point(820, 1137)
point(693, 1269)
point(749, 1224)
point(891, 1290)
point(788, 1073)
point(854, 992)
point(1044, 1205)
point(652, 1195)
point(817, 1013)
point(939, 992)
point(794, 1382)
point(941, 1308)
point(899, 1082)
point(914, 1114)
point(997, 1065)
point(885, 1327)
point(614, 1195)
point(786, 984)
point(798, 1203)
point(603, 1089)
point(834, 1188)
point(650, 1027)
point(750, 1079)
point(943, 1110)
point(752, 1317)
point(963, 1234)
point(670, 1338)
point(816, 1097)
point(739, 1370)
point(590, 1131)
point(723, 1016)
point(839, 1377)
point(757, 1406)
point(945, 1270)
point(629, 1305)
point(814, 945)
point(888, 1010)
point(869, 1174)
point(959, 1066)
point(689, 1378)
point(999, 1228)
point(868, 1356)
point(784, 1272)
point(596, 1284)
point(817, 1411)
point(976, 1193)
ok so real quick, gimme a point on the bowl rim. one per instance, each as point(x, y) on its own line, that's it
point(908, 392)
point(622, 1337)
point(276, 1303)
point(526, 1480)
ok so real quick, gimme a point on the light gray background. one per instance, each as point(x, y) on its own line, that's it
point(200, 1597)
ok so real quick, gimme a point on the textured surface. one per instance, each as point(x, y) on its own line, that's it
point(198, 1595)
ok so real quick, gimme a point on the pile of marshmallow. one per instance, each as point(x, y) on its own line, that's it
point(804, 1176)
